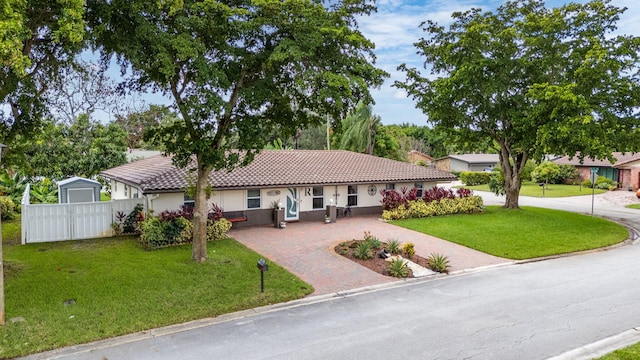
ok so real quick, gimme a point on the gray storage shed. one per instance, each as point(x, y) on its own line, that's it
point(78, 190)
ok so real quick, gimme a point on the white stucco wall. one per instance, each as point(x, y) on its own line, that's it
point(121, 191)
point(236, 200)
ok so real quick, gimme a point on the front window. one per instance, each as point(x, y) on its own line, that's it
point(253, 199)
point(352, 195)
point(188, 202)
point(419, 187)
point(318, 197)
point(391, 186)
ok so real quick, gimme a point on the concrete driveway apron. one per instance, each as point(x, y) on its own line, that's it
point(306, 249)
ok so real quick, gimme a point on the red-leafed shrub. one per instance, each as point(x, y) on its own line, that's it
point(437, 194)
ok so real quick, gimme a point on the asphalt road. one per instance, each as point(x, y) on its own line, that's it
point(535, 310)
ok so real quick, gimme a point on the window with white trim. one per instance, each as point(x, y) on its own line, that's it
point(352, 195)
point(253, 199)
point(318, 197)
point(391, 186)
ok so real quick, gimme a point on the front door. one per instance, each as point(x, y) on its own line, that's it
point(291, 211)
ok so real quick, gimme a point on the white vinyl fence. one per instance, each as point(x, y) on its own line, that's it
point(60, 222)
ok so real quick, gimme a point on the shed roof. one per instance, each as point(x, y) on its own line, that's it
point(274, 168)
point(77, 178)
point(475, 158)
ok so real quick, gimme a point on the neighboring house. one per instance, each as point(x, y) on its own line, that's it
point(304, 181)
point(417, 158)
point(137, 154)
point(625, 170)
point(78, 190)
point(467, 162)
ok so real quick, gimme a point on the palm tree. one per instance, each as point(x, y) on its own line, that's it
point(360, 127)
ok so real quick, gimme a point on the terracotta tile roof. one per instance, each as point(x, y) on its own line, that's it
point(621, 158)
point(274, 168)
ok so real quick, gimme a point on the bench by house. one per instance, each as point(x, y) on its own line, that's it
point(234, 216)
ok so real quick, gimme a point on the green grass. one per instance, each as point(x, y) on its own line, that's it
point(105, 196)
point(11, 233)
point(551, 190)
point(522, 234)
point(633, 206)
point(119, 288)
point(629, 353)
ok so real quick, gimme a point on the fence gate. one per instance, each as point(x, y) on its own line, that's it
point(59, 222)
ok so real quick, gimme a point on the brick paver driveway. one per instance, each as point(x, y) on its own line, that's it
point(306, 249)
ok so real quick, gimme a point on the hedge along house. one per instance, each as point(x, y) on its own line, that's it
point(304, 181)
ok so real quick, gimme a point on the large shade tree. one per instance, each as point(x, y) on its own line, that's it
point(533, 80)
point(237, 69)
point(37, 39)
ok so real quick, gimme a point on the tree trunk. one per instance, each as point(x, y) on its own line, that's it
point(512, 167)
point(201, 211)
point(512, 192)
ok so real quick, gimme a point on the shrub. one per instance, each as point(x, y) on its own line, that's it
point(471, 178)
point(394, 246)
point(398, 268)
point(374, 242)
point(217, 230)
point(409, 250)
point(392, 199)
point(7, 208)
point(552, 173)
point(419, 209)
point(131, 222)
point(152, 233)
point(438, 263)
point(496, 182)
point(363, 251)
point(464, 192)
point(602, 183)
point(437, 194)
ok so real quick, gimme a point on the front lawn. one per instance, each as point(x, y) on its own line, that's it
point(551, 190)
point(633, 206)
point(629, 353)
point(521, 234)
point(78, 291)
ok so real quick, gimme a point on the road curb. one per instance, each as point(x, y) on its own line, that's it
point(602, 347)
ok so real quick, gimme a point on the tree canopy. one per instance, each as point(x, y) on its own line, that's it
point(237, 69)
point(532, 80)
point(82, 148)
point(37, 38)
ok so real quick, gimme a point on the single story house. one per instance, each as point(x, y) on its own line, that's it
point(625, 170)
point(303, 181)
point(467, 162)
point(417, 158)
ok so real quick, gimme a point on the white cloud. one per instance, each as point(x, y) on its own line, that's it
point(395, 28)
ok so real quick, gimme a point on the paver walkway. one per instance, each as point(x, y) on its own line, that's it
point(306, 249)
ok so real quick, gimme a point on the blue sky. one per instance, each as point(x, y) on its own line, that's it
point(394, 29)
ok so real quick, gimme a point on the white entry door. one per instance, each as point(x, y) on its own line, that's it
point(291, 210)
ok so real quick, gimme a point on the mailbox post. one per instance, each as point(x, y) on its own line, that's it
point(262, 266)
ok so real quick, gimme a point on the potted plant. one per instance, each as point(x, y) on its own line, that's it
point(327, 219)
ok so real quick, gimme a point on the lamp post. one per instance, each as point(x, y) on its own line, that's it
point(3, 148)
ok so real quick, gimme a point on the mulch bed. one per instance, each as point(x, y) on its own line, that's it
point(377, 264)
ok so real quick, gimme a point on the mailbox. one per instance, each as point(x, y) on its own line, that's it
point(262, 265)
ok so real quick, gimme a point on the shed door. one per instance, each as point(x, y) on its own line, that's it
point(80, 195)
